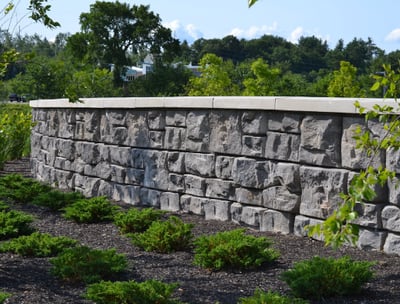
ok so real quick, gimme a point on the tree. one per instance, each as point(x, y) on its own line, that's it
point(113, 32)
point(264, 82)
point(215, 78)
point(344, 82)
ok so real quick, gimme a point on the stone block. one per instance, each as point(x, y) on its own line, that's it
point(284, 122)
point(63, 179)
point(176, 183)
point(156, 139)
point(217, 210)
point(118, 174)
point(150, 197)
point(275, 221)
point(137, 130)
point(193, 204)
point(223, 167)
point(225, 134)
point(321, 140)
point(300, 226)
point(155, 169)
point(394, 191)
point(382, 192)
point(175, 138)
point(170, 202)
point(279, 198)
point(369, 215)
point(393, 160)
point(247, 215)
point(200, 164)
point(156, 120)
point(88, 152)
point(136, 159)
point(176, 118)
point(254, 122)
point(119, 155)
point(176, 162)
point(106, 189)
point(198, 131)
point(195, 185)
point(65, 148)
point(216, 188)
point(282, 146)
point(392, 244)
point(127, 194)
point(391, 218)
point(371, 239)
point(134, 176)
point(249, 196)
point(253, 146)
point(321, 190)
point(250, 173)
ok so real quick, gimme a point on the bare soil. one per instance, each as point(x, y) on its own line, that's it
point(29, 279)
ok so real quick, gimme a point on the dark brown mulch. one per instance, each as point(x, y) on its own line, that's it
point(30, 281)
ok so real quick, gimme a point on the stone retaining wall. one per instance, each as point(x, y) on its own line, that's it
point(275, 164)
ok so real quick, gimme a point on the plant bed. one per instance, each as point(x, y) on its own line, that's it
point(29, 280)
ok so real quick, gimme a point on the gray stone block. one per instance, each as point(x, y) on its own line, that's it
point(250, 173)
point(279, 198)
point(198, 131)
point(195, 185)
point(137, 130)
point(65, 148)
point(391, 218)
point(217, 210)
point(369, 215)
point(134, 176)
point(282, 146)
point(200, 164)
point(249, 196)
point(254, 122)
point(156, 120)
point(247, 215)
point(216, 188)
point(284, 122)
point(170, 201)
point(193, 204)
point(150, 197)
point(223, 167)
point(253, 146)
point(127, 194)
point(392, 244)
point(176, 118)
point(176, 183)
point(300, 226)
point(118, 174)
point(155, 169)
point(275, 221)
point(175, 138)
point(176, 162)
point(371, 239)
point(156, 139)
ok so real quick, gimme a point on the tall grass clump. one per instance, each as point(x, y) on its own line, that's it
point(320, 278)
point(15, 130)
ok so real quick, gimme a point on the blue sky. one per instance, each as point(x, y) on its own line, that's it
point(329, 20)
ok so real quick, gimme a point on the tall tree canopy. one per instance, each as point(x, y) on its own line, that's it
point(114, 33)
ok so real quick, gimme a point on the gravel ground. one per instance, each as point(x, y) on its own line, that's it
point(30, 281)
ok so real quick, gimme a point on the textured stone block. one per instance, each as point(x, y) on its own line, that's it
point(321, 190)
point(156, 139)
point(193, 204)
point(282, 146)
point(176, 118)
point(275, 221)
point(217, 210)
point(216, 188)
point(249, 196)
point(392, 244)
point(156, 120)
point(155, 169)
point(118, 174)
point(393, 160)
point(170, 201)
point(394, 191)
point(176, 162)
point(175, 138)
point(225, 134)
point(118, 155)
point(150, 197)
point(254, 122)
point(300, 224)
point(321, 140)
point(284, 122)
point(247, 215)
point(127, 194)
point(176, 183)
point(65, 148)
point(391, 218)
point(250, 173)
point(253, 146)
point(195, 185)
point(137, 130)
point(198, 131)
point(200, 164)
point(279, 198)
point(371, 239)
point(223, 167)
point(369, 215)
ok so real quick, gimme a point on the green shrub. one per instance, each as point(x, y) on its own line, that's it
point(19, 189)
point(91, 210)
point(4, 206)
point(38, 244)
point(261, 297)
point(4, 296)
point(56, 200)
point(14, 223)
point(137, 220)
point(322, 278)
point(233, 249)
point(148, 292)
point(165, 236)
point(83, 264)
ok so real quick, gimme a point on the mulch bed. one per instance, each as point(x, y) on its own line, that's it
point(30, 281)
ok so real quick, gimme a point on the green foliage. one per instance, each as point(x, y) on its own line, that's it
point(322, 278)
point(56, 200)
point(251, 2)
point(165, 236)
point(15, 130)
point(137, 220)
point(344, 82)
point(83, 264)
point(261, 297)
point(19, 189)
point(4, 206)
point(4, 296)
point(131, 292)
point(91, 210)
point(233, 249)
point(14, 223)
point(37, 245)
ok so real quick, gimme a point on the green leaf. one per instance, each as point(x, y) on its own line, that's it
point(376, 86)
point(251, 2)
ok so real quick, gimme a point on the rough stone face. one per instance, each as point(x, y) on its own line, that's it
point(247, 215)
point(200, 164)
point(300, 224)
point(156, 120)
point(175, 138)
point(216, 188)
point(393, 160)
point(155, 170)
point(371, 239)
point(321, 190)
point(391, 218)
point(170, 201)
point(176, 162)
point(253, 146)
point(138, 131)
point(156, 139)
point(198, 131)
point(176, 118)
point(284, 122)
point(249, 196)
point(195, 185)
point(369, 215)
point(127, 194)
point(217, 210)
point(193, 204)
point(275, 221)
point(176, 183)
point(394, 192)
point(392, 244)
point(150, 197)
point(223, 167)
point(279, 198)
point(282, 146)
point(321, 140)
point(250, 173)
point(254, 122)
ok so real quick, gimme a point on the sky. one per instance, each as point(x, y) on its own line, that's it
point(329, 20)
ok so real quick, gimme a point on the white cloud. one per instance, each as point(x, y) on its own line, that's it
point(393, 35)
point(296, 34)
point(189, 32)
point(254, 31)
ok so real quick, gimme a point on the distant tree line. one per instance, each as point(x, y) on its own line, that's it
point(113, 33)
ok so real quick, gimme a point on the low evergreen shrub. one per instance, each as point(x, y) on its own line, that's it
point(131, 292)
point(91, 210)
point(4, 296)
point(83, 264)
point(165, 236)
point(19, 189)
point(56, 200)
point(38, 245)
point(233, 249)
point(137, 220)
point(14, 223)
point(4, 206)
point(319, 277)
point(262, 297)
